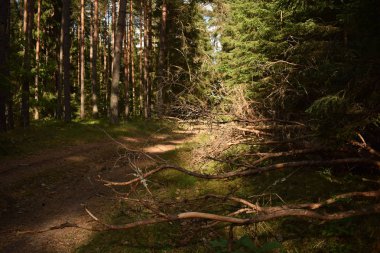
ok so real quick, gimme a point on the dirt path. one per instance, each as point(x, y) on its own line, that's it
point(50, 188)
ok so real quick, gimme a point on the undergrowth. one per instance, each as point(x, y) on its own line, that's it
point(275, 188)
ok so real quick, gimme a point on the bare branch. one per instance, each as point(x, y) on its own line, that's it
point(252, 130)
point(250, 171)
point(245, 221)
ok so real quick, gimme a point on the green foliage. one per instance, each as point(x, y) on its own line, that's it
point(317, 57)
point(328, 106)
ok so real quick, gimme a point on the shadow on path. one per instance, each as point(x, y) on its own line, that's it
point(50, 188)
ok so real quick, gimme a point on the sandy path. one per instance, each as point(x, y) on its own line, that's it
point(49, 188)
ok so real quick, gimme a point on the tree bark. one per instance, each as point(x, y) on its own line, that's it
point(94, 75)
point(146, 61)
point(126, 73)
point(60, 71)
point(28, 25)
point(66, 57)
point(150, 56)
point(9, 35)
point(82, 59)
point(113, 28)
point(107, 59)
point(91, 41)
point(131, 56)
point(161, 60)
point(4, 56)
point(142, 84)
point(77, 94)
point(36, 78)
point(116, 64)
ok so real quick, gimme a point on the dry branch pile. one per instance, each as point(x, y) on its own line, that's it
point(272, 145)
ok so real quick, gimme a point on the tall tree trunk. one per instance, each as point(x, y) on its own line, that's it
point(28, 25)
point(126, 73)
point(66, 57)
point(4, 56)
point(9, 35)
point(113, 28)
point(91, 40)
point(107, 55)
point(36, 78)
point(105, 74)
point(82, 59)
point(146, 61)
point(150, 54)
point(116, 63)
point(161, 60)
point(60, 71)
point(94, 76)
point(77, 94)
point(142, 84)
point(131, 56)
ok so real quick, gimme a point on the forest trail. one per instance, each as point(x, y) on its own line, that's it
point(49, 188)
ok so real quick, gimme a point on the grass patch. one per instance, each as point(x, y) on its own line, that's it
point(42, 135)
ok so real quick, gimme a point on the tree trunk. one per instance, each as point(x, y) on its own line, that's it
point(146, 60)
point(78, 60)
point(60, 71)
point(94, 76)
point(126, 73)
point(36, 78)
point(66, 57)
point(82, 59)
point(113, 28)
point(161, 60)
point(28, 25)
point(91, 40)
point(107, 55)
point(9, 35)
point(150, 56)
point(131, 56)
point(116, 64)
point(142, 84)
point(4, 66)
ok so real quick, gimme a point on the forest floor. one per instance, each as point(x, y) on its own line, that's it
point(50, 171)
point(49, 187)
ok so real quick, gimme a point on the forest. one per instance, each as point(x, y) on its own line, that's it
point(190, 126)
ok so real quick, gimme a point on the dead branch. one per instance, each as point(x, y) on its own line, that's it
point(261, 121)
point(270, 64)
point(254, 142)
point(373, 209)
point(252, 130)
point(250, 171)
point(260, 214)
point(267, 156)
point(365, 146)
point(369, 194)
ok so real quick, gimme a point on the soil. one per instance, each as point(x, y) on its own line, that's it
point(49, 188)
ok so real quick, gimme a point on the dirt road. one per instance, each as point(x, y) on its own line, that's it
point(49, 188)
